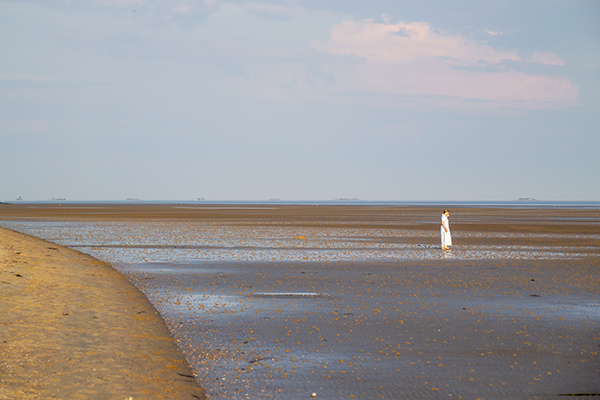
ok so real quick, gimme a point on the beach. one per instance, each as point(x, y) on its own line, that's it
point(72, 327)
point(284, 302)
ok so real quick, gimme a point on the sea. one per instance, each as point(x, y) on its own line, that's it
point(530, 203)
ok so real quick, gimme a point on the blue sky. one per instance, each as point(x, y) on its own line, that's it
point(300, 100)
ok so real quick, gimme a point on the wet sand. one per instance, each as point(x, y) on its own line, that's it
point(72, 327)
point(360, 302)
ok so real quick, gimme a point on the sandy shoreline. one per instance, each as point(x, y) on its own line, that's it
point(72, 327)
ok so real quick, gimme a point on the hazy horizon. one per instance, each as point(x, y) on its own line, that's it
point(341, 201)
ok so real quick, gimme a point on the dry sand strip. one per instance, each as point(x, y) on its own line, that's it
point(71, 327)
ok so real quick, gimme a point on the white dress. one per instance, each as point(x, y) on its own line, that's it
point(446, 237)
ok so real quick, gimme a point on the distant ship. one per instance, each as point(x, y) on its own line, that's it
point(526, 199)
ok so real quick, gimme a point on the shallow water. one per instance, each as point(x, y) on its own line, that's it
point(181, 241)
point(285, 311)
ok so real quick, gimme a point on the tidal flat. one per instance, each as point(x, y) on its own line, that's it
point(284, 302)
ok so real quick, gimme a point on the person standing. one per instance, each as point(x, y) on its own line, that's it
point(445, 231)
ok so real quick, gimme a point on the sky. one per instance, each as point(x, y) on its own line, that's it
point(391, 100)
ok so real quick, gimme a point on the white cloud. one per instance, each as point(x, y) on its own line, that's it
point(492, 33)
point(413, 59)
point(403, 42)
point(546, 58)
